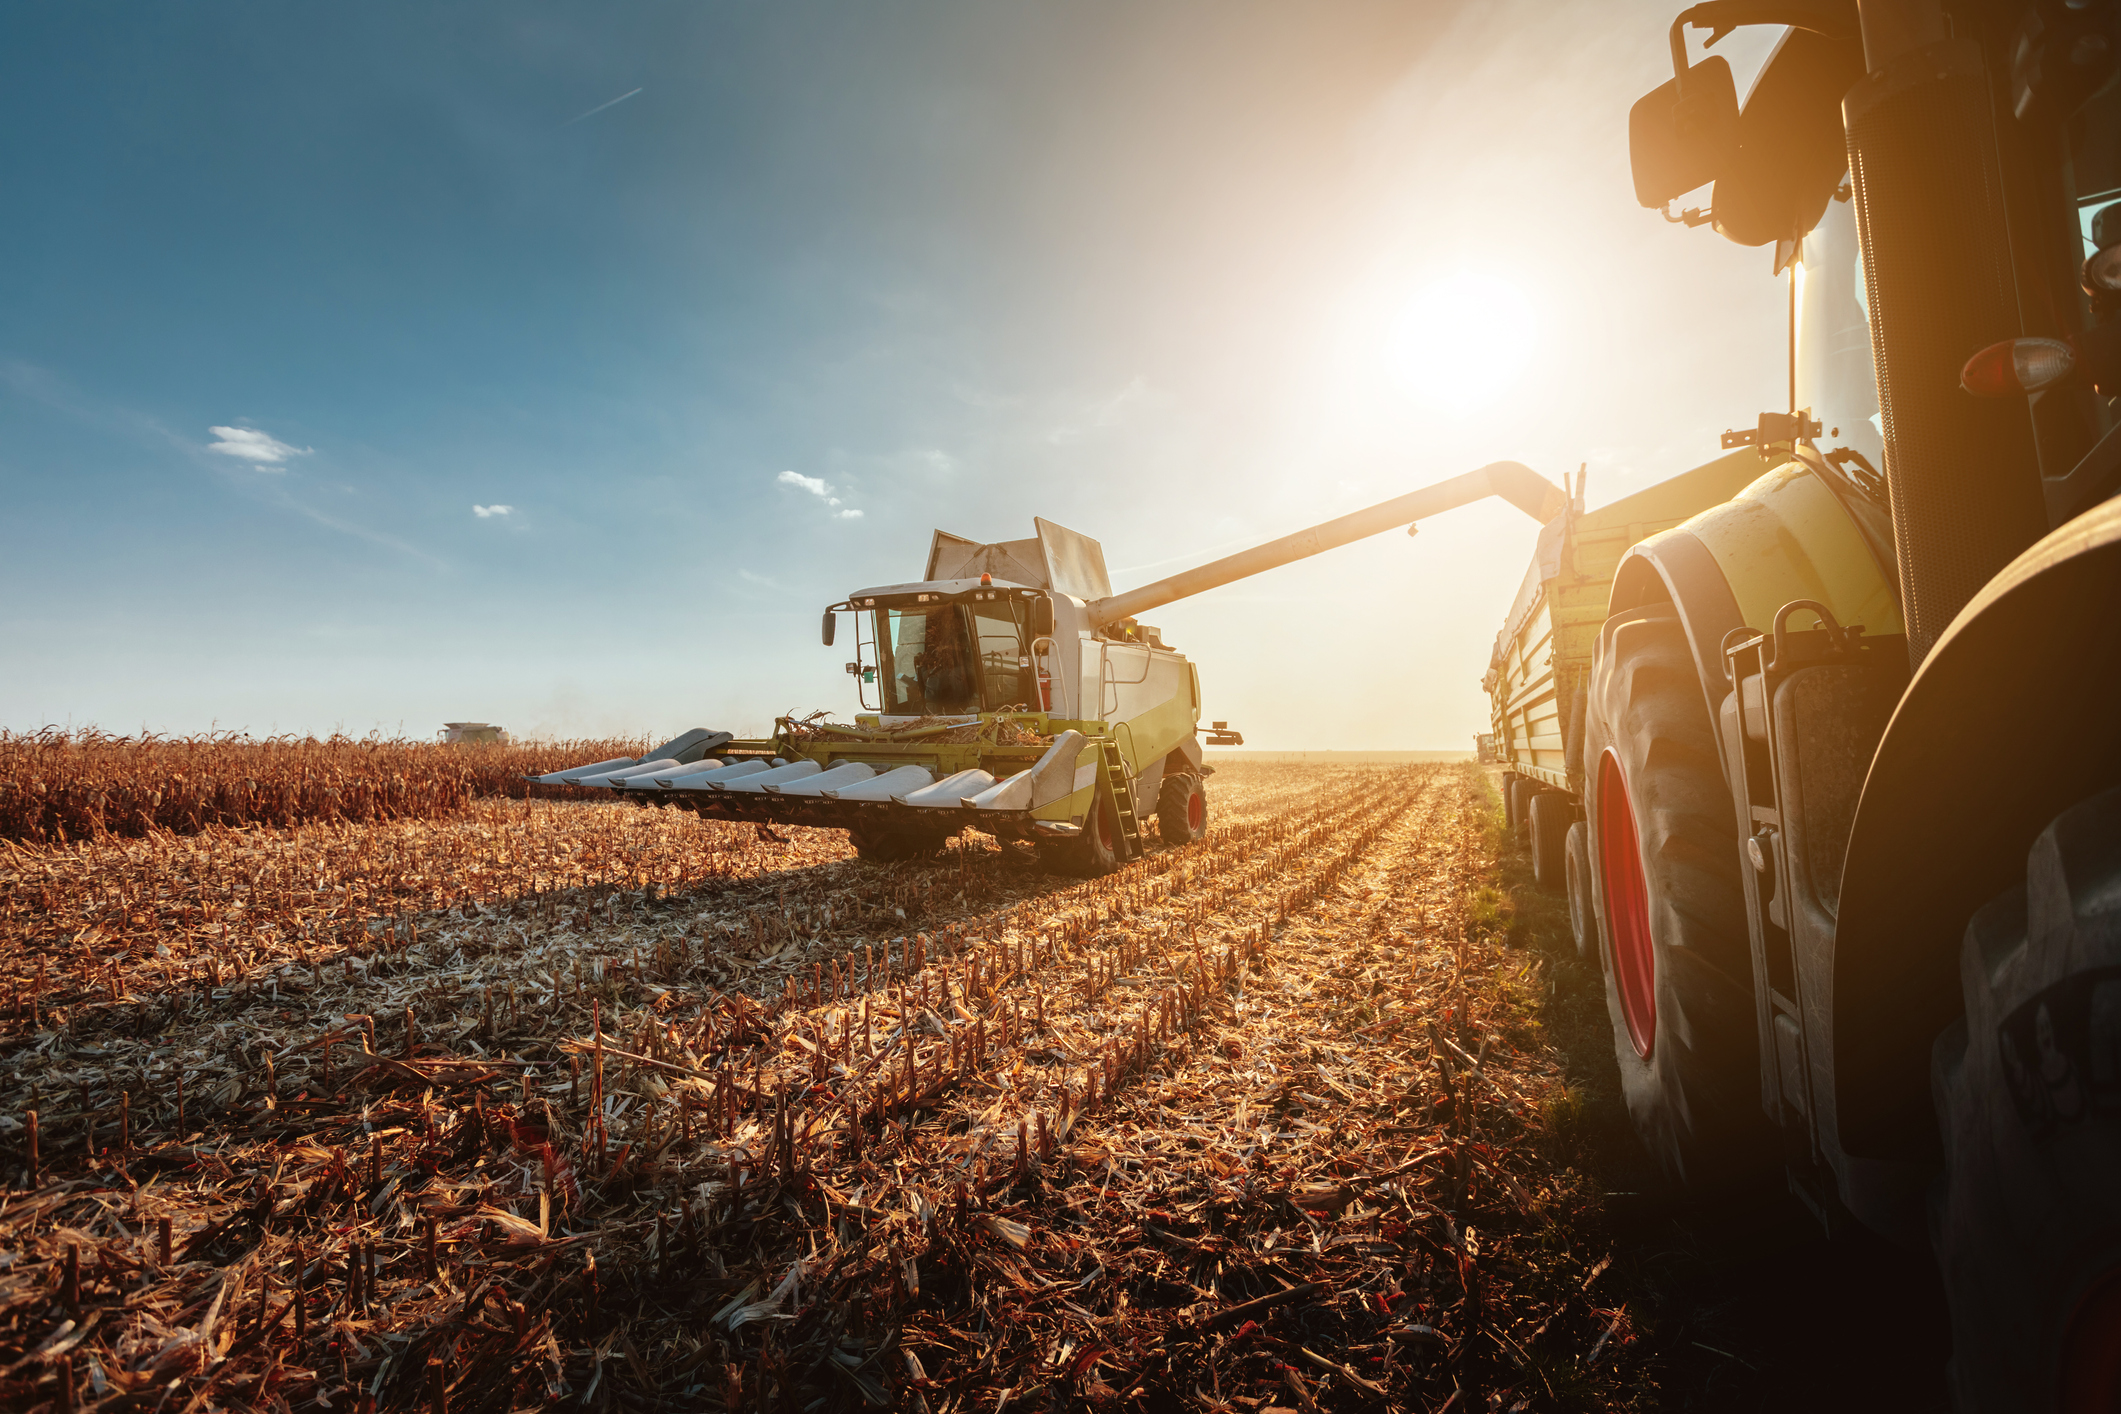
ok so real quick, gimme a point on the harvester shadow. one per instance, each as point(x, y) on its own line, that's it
point(841, 901)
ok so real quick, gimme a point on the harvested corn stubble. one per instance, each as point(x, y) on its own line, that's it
point(664, 1114)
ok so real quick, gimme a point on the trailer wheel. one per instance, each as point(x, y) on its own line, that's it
point(1669, 905)
point(1096, 850)
point(1509, 802)
point(1552, 813)
point(894, 845)
point(1522, 788)
point(2028, 1093)
point(1577, 856)
point(1181, 809)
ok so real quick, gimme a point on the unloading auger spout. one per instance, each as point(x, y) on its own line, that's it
point(1514, 482)
point(1009, 690)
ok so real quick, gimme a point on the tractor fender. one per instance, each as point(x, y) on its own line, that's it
point(2007, 723)
point(1786, 536)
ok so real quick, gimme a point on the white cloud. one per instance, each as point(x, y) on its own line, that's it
point(254, 446)
point(820, 488)
point(487, 512)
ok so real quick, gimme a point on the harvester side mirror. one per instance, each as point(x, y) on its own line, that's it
point(1042, 617)
point(1683, 134)
point(832, 622)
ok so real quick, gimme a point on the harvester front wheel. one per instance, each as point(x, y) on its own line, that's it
point(1670, 906)
point(890, 845)
point(1096, 850)
point(2027, 1087)
point(1181, 809)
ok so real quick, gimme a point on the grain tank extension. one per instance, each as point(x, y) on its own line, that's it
point(1009, 690)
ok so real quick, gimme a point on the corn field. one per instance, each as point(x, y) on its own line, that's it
point(570, 1101)
point(59, 786)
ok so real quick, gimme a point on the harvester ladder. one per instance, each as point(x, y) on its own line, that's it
point(1130, 830)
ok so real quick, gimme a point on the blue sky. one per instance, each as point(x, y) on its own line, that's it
point(289, 293)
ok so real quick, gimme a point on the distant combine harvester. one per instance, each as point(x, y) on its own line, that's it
point(474, 734)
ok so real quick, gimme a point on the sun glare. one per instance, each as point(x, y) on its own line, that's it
point(1461, 340)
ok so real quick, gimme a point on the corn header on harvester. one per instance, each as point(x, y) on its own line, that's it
point(1010, 691)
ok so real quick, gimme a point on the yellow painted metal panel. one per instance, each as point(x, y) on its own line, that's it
point(1786, 537)
point(1545, 648)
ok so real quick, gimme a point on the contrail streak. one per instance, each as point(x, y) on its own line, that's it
point(601, 107)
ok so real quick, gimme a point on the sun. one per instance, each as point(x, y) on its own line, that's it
point(1462, 340)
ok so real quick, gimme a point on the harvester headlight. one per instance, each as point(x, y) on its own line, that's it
point(2018, 366)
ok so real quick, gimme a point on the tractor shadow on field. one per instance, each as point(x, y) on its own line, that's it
point(1745, 1303)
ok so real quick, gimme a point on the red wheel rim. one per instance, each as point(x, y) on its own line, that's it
point(2091, 1350)
point(1196, 812)
point(1104, 826)
point(1627, 906)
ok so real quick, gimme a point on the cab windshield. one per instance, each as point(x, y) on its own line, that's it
point(949, 659)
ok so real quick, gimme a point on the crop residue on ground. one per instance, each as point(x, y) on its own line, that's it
point(580, 1102)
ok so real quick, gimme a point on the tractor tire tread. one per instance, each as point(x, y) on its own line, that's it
point(1695, 1099)
point(2024, 1219)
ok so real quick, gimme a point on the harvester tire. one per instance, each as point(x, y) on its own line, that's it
point(2027, 1085)
point(1096, 850)
point(1181, 809)
point(895, 846)
point(1552, 813)
point(1670, 907)
point(1576, 855)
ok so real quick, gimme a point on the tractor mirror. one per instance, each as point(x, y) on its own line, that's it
point(832, 622)
point(1792, 152)
point(1042, 617)
point(1683, 135)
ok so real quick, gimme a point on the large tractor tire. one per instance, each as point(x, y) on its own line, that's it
point(1670, 905)
point(1181, 809)
point(2028, 1092)
point(1096, 850)
point(1552, 813)
point(1576, 853)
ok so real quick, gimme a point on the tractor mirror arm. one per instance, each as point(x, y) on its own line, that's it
point(1720, 17)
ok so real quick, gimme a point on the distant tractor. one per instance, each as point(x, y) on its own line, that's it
point(1010, 691)
point(1829, 769)
point(474, 734)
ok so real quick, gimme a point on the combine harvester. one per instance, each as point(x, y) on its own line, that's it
point(1010, 691)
